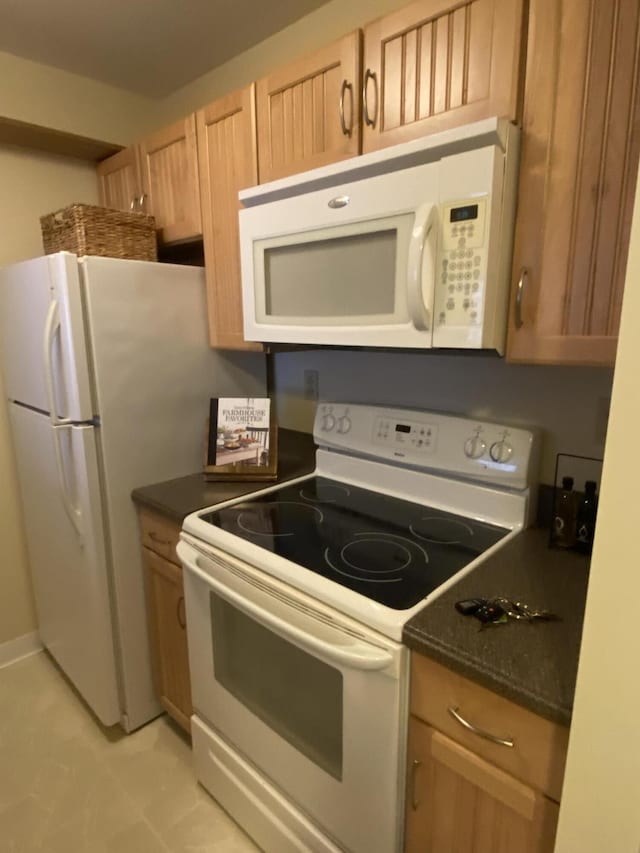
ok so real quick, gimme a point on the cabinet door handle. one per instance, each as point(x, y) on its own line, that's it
point(134, 201)
point(158, 539)
point(522, 283)
point(369, 75)
point(414, 771)
point(180, 613)
point(141, 201)
point(480, 732)
point(347, 130)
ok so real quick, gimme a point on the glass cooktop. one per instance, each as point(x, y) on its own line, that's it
point(390, 550)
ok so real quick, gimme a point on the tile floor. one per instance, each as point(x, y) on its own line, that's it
point(69, 786)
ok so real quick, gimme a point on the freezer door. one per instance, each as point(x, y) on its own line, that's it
point(67, 554)
point(42, 338)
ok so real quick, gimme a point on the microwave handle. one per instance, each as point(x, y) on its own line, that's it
point(422, 256)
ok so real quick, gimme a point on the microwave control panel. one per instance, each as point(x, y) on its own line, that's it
point(462, 263)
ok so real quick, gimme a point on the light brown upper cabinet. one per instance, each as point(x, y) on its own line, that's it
point(436, 64)
point(169, 168)
point(578, 172)
point(228, 163)
point(119, 185)
point(309, 111)
point(158, 176)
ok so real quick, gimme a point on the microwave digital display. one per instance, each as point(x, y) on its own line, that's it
point(461, 214)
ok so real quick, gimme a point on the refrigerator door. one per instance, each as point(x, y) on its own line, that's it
point(153, 374)
point(42, 339)
point(67, 555)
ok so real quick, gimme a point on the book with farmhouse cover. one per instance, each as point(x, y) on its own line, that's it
point(241, 439)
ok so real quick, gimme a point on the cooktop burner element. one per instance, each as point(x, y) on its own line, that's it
point(276, 518)
point(445, 531)
point(393, 551)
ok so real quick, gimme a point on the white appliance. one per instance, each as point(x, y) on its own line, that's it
point(296, 599)
point(108, 374)
point(405, 247)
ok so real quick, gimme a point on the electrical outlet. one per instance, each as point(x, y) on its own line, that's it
point(311, 382)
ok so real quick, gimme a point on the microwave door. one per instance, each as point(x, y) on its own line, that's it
point(421, 267)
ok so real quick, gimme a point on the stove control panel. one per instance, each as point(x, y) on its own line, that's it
point(405, 434)
point(446, 444)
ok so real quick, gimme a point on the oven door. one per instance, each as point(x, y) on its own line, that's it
point(310, 700)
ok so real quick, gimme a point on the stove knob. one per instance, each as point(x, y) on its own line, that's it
point(344, 424)
point(474, 447)
point(501, 451)
point(328, 421)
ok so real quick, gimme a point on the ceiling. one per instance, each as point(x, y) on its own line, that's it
point(151, 47)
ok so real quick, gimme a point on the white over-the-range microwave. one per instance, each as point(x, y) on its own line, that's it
point(407, 247)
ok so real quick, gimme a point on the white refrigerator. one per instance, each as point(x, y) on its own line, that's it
point(108, 373)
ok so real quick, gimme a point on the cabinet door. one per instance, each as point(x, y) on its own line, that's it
point(309, 111)
point(578, 172)
point(169, 164)
point(458, 802)
point(119, 181)
point(168, 636)
point(227, 162)
point(437, 64)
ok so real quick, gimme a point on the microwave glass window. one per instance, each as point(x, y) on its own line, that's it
point(350, 277)
point(294, 693)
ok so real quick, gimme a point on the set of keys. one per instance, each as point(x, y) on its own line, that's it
point(498, 611)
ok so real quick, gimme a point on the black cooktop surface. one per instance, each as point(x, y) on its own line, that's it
point(393, 551)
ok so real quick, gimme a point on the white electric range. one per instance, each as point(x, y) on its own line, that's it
point(296, 599)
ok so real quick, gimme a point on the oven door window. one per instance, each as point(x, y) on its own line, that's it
point(292, 692)
point(340, 276)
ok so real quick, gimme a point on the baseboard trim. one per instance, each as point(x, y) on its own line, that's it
point(21, 647)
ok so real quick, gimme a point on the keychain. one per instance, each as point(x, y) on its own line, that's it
point(498, 611)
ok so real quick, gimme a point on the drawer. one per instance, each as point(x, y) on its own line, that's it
point(539, 748)
point(160, 534)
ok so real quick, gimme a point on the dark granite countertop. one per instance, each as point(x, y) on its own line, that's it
point(533, 664)
point(177, 498)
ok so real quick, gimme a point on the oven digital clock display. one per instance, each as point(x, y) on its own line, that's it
point(403, 428)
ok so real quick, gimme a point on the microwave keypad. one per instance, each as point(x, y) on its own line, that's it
point(461, 267)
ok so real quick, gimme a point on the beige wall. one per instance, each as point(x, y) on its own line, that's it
point(321, 27)
point(39, 94)
point(602, 783)
point(32, 184)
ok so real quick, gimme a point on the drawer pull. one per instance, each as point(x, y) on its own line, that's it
point(480, 732)
point(158, 539)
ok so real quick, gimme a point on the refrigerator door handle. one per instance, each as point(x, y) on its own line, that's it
point(51, 326)
point(72, 511)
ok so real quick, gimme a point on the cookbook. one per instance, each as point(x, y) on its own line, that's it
point(241, 442)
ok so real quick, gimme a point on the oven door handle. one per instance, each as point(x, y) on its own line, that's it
point(357, 656)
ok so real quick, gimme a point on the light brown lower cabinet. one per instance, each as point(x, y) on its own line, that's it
point(484, 775)
point(168, 635)
point(458, 803)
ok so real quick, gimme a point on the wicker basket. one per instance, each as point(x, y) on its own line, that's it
point(89, 230)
